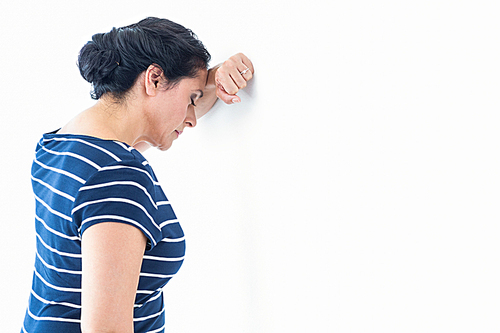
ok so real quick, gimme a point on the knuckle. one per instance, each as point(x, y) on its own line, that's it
point(229, 63)
point(220, 72)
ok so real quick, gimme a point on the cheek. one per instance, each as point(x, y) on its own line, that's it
point(170, 118)
point(170, 114)
point(179, 114)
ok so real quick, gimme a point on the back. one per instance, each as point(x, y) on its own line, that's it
point(79, 181)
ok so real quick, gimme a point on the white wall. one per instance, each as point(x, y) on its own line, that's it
point(355, 189)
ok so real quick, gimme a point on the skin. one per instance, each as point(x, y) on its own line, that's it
point(110, 276)
point(150, 115)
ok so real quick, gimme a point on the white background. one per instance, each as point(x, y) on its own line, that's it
point(355, 188)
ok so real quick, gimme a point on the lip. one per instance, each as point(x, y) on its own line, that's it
point(178, 133)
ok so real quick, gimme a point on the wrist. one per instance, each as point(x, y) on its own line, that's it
point(211, 76)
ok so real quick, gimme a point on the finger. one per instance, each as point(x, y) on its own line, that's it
point(246, 74)
point(222, 94)
point(247, 62)
point(225, 81)
point(239, 80)
point(225, 97)
point(246, 71)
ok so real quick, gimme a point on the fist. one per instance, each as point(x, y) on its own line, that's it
point(232, 76)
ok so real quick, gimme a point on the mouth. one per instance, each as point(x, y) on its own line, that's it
point(178, 133)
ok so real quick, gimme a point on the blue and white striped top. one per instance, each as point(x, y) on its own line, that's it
point(79, 181)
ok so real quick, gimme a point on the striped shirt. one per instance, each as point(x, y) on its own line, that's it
point(79, 181)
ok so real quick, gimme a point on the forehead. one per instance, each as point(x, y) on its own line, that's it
point(196, 83)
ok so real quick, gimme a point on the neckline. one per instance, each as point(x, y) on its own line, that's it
point(86, 136)
point(55, 134)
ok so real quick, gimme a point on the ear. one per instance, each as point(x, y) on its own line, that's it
point(153, 78)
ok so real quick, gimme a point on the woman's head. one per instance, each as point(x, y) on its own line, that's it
point(112, 61)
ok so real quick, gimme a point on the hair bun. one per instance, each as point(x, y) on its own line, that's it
point(112, 61)
point(96, 63)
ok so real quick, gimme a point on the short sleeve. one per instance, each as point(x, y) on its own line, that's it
point(123, 193)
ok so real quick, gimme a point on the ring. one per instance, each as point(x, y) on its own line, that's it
point(246, 70)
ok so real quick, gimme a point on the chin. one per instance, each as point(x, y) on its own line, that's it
point(164, 148)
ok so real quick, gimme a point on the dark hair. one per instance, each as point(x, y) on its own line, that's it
point(112, 61)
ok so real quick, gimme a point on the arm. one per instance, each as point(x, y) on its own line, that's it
point(111, 262)
point(224, 81)
point(209, 98)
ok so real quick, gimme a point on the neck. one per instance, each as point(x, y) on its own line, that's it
point(108, 119)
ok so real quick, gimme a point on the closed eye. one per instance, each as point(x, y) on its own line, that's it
point(192, 102)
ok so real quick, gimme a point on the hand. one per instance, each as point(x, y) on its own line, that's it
point(232, 76)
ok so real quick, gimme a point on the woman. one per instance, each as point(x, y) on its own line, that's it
point(107, 237)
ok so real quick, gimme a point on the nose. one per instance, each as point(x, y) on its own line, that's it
point(190, 120)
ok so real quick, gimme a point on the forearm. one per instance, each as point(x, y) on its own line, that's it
point(209, 94)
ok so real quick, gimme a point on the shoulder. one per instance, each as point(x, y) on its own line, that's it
point(75, 161)
point(88, 153)
point(122, 192)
